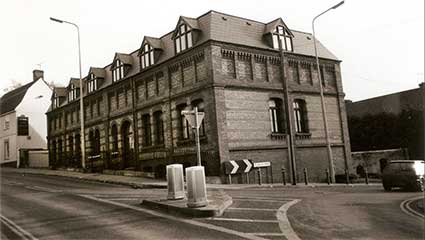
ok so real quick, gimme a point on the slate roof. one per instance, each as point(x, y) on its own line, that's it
point(60, 91)
point(125, 58)
point(153, 42)
point(10, 100)
point(75, 82)
point(98, 72)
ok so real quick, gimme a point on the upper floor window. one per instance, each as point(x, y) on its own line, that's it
point(6, 149)
point(118, 70)
point(283, 37)
point(92, 83)
point(183, 38)
point(300, 116)
point(73, 93)
point(6, 123)
point(276, 116)
point(147, 56)
point(56, 102)
point(114, 135)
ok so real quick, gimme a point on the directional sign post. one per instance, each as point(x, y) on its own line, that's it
point(194, 118)
point(238, 166)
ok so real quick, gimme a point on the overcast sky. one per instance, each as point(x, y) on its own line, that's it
point(380, 42)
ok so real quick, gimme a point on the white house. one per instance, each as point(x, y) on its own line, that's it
point(26, 104)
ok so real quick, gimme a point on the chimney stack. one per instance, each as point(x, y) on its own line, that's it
point(37, 74)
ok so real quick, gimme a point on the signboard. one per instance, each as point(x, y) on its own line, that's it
point(190, 117)
point(238, 166)
point(23, 128)
point(261, 164)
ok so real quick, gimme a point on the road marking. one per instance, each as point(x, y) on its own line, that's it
point(38, 188)
point(242, 220)
point(259, 200)
point(404, 206)
point(284, 224)
point(123, 199)
point(253, 209)
point(268, 234)
point(187, 221)
point(17, 229)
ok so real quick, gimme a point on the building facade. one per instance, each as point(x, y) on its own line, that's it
point(229, 67)
point(23, 119)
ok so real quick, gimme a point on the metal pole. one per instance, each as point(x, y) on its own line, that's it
point(82, 141)
point(322, 100)
point(305, 176)
point(198, 146)
point(366, 176)
point(328, 180)
point(283, 177)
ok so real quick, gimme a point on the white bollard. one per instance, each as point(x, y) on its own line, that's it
point(175, 181)
point(196, 187)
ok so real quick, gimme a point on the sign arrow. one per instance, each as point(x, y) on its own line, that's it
point(235, 167)
point(248, 165)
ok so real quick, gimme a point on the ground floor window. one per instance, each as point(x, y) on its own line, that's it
point(6, 149)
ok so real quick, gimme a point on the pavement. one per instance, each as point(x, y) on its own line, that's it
point(218, 200)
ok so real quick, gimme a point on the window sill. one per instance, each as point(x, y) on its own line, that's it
point(94, 156)
point(191, 141)
point(278, 136)
point(302, 136)
point(152, 148)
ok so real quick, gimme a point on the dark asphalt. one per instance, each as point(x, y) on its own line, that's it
point(53, 208)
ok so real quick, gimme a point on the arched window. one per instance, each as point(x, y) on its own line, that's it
point(184, 127)
point(276, 116)
point(159, 127)
point(71, 145)
point(146, 130)
point(300, 116)
point(114, 134)
point(97, 142)
point(183, 38)
point(92, 142)
point(200, 105)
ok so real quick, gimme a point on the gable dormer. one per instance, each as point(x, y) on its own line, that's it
point(121, 66)
point(185, 34)
point(150, 51)
point(58, 96)
point(73, 89)
point(277, 35)
point(95, 79)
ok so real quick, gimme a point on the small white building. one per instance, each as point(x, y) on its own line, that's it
point(26, 105)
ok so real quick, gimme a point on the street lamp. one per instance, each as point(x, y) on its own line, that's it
point(83, 151)
point(325, 120)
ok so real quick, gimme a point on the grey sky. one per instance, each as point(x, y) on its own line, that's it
point(380, 42)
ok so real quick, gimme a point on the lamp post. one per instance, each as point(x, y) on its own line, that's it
point(325, 120)
point(83, 150)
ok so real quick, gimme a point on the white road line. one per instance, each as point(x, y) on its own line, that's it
point(268, 234)
point(17, 229)
point(404, 206)
point(252, 209)
point(38, 188)
point(123, 199)
point(284, 224)
point(187, 221)
point(242, 220)
point(258, 200)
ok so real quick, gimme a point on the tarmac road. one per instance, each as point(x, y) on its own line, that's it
point(43, 207)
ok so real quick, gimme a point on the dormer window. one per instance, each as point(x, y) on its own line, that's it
point(92, 83)
point(282, 36)
point(147, 56)
point(118, 71)
point(56, 102)
point(73, 93)
point(183, 38)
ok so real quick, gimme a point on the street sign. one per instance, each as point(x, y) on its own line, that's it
point(23, 128)
point(261, 164)
point(238, 166)
point(190, 117)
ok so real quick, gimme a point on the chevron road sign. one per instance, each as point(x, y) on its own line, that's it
point(238, 166)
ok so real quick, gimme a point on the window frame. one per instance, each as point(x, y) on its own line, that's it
point(158, 127)
point(281, 36)
point(300, 116)
point(183, 39)
point(6, 149)
point(146, 130)
point(184, 127)
point(147, 57)
point(118, 71)
point(276, 115)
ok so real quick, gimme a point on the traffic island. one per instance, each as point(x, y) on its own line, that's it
point(218, 202)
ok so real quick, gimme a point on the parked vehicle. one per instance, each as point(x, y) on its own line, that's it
point(406, 174)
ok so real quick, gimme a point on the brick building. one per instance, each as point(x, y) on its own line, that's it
point(229, 67)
